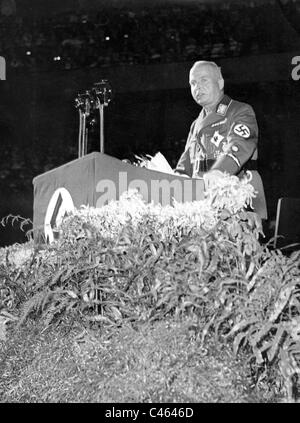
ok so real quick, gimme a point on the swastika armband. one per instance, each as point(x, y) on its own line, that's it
point(242, 130)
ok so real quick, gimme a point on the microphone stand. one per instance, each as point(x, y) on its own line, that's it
point(96, 98)
point(103, 93)
point(100, 106)
point(85, 128)
point(84, 106)
point(80, 133)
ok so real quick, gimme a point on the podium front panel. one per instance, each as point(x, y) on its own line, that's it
point(96, 179)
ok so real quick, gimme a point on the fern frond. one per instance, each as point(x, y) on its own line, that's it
point(34, 303)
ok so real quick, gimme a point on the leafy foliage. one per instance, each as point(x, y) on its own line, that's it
point(134, 262)
point(21, 221)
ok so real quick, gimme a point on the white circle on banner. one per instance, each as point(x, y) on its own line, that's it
point(242, 130)
point(60, 203)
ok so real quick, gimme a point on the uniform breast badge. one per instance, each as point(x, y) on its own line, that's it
point(216, 138)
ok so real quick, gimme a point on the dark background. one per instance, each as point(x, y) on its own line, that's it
point(152, 108)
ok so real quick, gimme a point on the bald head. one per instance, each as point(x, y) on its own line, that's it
point(206, 83)
point(211, 67)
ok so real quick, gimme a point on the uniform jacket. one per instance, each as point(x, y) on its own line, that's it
point(226, 140)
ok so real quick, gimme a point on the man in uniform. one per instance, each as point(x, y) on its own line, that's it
point(224, 136)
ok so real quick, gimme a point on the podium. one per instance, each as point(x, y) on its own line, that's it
point(96, 179)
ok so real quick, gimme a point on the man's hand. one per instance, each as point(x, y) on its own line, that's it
point(211, 178)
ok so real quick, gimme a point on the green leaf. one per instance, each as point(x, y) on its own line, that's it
point(206, 329)
point(237, 342)
point(282, 301)
point(275, 343)
point(255, 339)
point(100, 318)
point(258, 355)
point(3, 333)
point(241, 325)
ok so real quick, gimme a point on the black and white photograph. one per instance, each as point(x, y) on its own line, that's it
point(149, 204)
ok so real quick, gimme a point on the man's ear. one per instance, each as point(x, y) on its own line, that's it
point(221, 83)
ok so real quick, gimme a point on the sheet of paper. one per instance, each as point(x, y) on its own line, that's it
point(159, 163)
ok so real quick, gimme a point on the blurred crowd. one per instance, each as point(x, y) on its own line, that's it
point(170, 33)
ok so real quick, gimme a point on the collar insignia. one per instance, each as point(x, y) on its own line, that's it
point(222, 109)
point(223, 105)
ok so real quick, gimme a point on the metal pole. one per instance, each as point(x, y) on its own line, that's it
point(83, 133)
point(86, 141)
point(87, 114)
point(80, 134)
point(101, 112)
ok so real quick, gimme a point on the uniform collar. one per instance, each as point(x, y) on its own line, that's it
point(215, 116)
point(222, 106)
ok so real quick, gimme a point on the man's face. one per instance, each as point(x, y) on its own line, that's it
point(206, 89)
